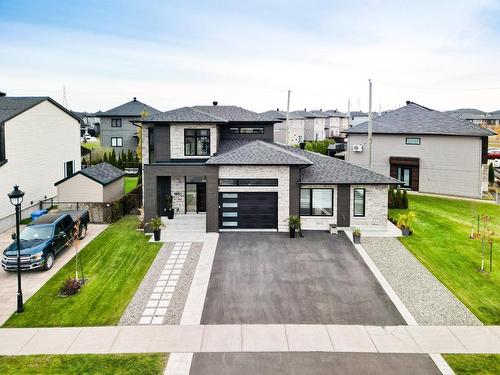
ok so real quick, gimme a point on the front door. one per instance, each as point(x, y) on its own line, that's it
point(196, 197)
point(404, 174)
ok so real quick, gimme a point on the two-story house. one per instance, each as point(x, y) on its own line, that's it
point(116, 127)
point(39, 145)
point(428, 150)
point(220, 161)
point(289, 133)
point(338, 122)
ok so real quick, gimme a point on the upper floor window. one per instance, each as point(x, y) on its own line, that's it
point(197, 142)
point(116, 122)
point(246, 130)
point(2, 145)
point(248, 182)
point(359, 202)
point(316, 202)
point(412, 141)
point(116, 142)
point(151, 145)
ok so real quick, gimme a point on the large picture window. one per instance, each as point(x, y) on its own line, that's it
point(197, 142)
point(316, 202)
point(116, 122)
point(359, 202)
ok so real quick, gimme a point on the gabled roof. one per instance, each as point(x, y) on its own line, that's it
point(302, 114)
point(134, 108)
point(257, 152)
point(416, 119)
point(102, 173)
point(185, 114)
point(232, 113)
point(319, 114)
point(11, 106)
point(335, 113)
point(275, 115)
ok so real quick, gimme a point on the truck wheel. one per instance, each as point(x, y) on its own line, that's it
point(49, 261)
point(83, 232)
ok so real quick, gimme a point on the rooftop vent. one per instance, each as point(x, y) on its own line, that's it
point(135, 99)
point(215, 103)
point(2, 94)
point(408, 102)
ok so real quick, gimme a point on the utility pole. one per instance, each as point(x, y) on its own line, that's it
point(348, 113)
point(370, 125)
point(287, 117)
point(65, 100)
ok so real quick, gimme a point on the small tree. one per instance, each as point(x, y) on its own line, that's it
point(486, 238)
point(398, 201)
point(390, 197)
point(491, 174)
point(405, 200)
point(112, 159)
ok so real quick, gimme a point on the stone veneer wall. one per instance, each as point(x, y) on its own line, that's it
point(282, 173)
point(375, 206)
point(320, 222)
point(177, 140)
point(178, 188)
point(144, 155)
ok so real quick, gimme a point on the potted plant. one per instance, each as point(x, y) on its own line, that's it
point(356, 235)
point(405, 222)
point(156, 224)
point(170, 210)
point(293, 224)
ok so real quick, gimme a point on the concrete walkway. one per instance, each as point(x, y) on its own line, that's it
point(32, 281)
point(251, 338)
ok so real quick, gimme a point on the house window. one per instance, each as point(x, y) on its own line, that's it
point(316, 202)
point(69, 168)
point(2, 145)
point(359, 202)
point(151, 144)
point(248, 182)
point(197, 142)
point(116, 142)
point(246, 130)
point(412, 141)
point(116, 122)
point(404, 174)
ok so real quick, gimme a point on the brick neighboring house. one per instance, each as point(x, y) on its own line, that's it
point(428, 150)
point(221, 162)
point(39, 145)
point(116, 127)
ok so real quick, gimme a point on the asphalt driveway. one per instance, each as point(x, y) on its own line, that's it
point(269, 278)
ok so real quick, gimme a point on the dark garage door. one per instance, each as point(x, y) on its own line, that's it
point(248, 210)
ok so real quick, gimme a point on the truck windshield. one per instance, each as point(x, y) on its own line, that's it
point(36, 233)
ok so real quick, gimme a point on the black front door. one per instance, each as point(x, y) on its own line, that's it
point(201, 196)
point(163, 183)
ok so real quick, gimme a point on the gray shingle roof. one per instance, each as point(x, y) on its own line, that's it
point(11, 106)
point(134, 108)
point(335, 113)
point(233, 113)
point(302, 114)
point(358, 114)
point(103, 173)
point(185, 114)
point(416, 119)
point(319, 114)
point(257, 152)
point(275, 115)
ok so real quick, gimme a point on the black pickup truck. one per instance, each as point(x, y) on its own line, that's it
point(44, 238)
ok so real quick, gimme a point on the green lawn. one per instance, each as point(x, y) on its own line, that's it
point(144, 364)
point(115, 263)
point(441, 243)
point(477, 364)
point(130, 183)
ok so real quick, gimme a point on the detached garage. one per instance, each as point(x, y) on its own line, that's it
point(97, 184)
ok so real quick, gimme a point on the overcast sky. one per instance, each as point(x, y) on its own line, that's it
point(441, 54)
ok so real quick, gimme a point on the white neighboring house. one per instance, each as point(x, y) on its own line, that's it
point(338, 122)
point(39, 145)
point(295, 127)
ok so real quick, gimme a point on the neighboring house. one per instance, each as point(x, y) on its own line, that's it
point(473, 115)
point(98, 183)
point(321, 125)
point(428, 150)
point(295, 127)
point(89, 124)
point(117, 130)
point(39, 145)
point(221, 161)
point(312, 128)
point(357, 117)
point(338, 122)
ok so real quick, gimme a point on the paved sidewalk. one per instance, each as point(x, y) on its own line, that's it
point(34, 280)
point(251, 338)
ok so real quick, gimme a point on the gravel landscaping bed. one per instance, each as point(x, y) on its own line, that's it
point(429, 301)
point(134, 310)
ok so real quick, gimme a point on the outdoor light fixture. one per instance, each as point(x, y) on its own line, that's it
point(16, 198)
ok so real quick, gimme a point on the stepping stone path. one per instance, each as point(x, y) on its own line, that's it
point(160, 298)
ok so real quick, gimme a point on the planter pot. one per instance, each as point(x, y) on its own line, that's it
point(170, 214)
point(356, 238)
point(405, 232)
point(292, 232)
point(156, 234)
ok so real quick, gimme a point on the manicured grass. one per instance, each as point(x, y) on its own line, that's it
point(115, 263)
point(477, 364)
point(441, 243)
point(144, 364)
point(130, 183)
point(91, 145)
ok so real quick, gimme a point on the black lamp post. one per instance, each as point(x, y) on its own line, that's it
point(16, 198)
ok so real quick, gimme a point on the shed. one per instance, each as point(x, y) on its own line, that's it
point(98, 183)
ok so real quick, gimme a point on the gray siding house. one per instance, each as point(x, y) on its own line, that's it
point(222, 162)
point(428, 150)
point(117, 130)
